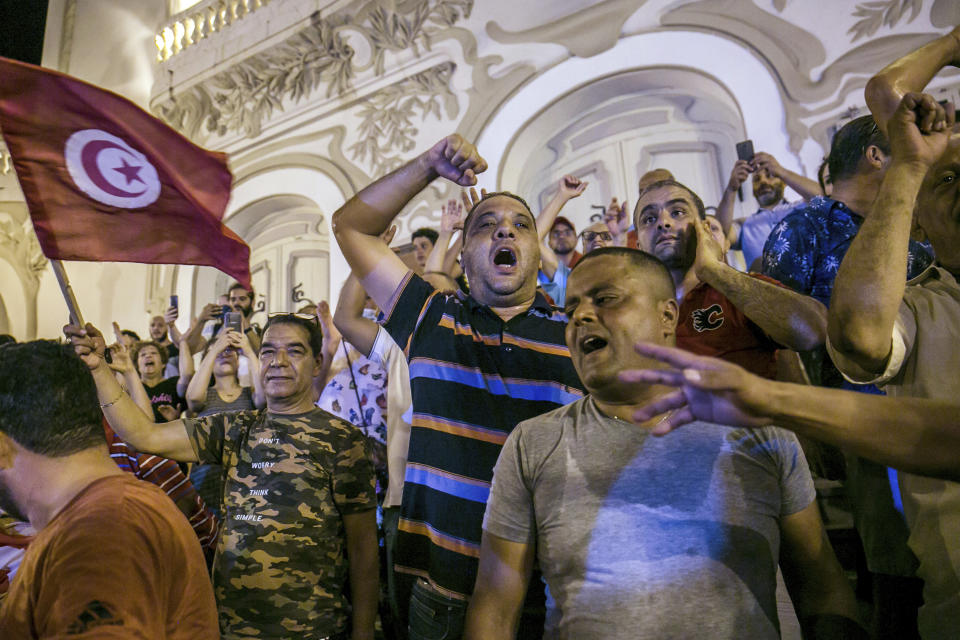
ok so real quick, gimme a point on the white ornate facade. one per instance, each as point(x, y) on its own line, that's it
point(312, 99)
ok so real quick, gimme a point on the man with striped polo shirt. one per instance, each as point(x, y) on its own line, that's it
point(479, 364)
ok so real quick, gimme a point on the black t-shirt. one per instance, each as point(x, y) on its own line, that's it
point(164, 393)
point(172, 350)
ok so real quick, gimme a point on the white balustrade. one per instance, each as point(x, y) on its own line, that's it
point(200, 21)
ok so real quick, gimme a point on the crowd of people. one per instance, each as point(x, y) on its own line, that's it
point(517, 438)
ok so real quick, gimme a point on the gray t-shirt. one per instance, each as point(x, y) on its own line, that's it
point(646, 537)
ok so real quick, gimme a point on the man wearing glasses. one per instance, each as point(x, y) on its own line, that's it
point(298, 500)
point(595, 236)
point(555, 272)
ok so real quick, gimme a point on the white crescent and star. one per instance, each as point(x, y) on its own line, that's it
point(109, 170)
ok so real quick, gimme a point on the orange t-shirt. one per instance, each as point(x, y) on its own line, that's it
point(119, 561)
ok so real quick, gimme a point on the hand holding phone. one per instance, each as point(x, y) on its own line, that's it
point(234, 321)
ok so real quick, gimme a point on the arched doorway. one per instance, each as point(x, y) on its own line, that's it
point(675, 99)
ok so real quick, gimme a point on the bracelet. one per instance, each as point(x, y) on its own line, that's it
point(114, 401)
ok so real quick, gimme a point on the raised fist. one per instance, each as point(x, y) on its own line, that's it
point(456, 160)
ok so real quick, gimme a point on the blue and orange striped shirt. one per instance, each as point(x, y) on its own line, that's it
point(473, 378)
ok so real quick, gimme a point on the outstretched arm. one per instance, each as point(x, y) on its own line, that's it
point(917, 435)
point(436, 268)
point(911, 73)
point(186, 367)
point(194, 334)
point(501, 586)
point(791, 319)
point(196, 392)
point(870, 282)
point(359, 222)
point(570, 187)
point(170, 318)
point(348, 318)
point(739, 174)
point(548, 260)
point(359, 331)
point(168, 439)
point(332, 339)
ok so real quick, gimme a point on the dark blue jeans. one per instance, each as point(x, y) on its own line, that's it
point(435, 617)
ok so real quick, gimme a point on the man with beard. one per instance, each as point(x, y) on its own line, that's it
point(769, 181)
point(241, 299)
point(562, 240)
point(479, 364)
point(558, 254)
point(595, 236)
point(905, 338)
point(164, 332)
point(739, 317)
point(113, 557)
point(644, 537)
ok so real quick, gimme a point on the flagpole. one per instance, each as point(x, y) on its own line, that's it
point(67, 290)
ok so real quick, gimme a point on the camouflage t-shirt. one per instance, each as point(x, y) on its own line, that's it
point(281, 566)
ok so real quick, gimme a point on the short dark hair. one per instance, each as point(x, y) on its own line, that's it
point(310, 326)
point(488, 196)
point(48, 400)
point(425, 232)
point(130, 333)
point(637, 258)
point(237, 285)
point(698, 203)
point(140, 346)
point(847, 149)
point(6, 338)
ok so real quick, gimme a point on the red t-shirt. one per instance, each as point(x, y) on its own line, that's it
point(711, 326)
point(119, 561)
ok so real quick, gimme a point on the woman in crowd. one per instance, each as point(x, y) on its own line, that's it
point(206, 396)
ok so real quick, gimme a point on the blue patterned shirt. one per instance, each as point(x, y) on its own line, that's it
point(805, 249)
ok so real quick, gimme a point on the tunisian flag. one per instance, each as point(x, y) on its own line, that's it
point(106, 181)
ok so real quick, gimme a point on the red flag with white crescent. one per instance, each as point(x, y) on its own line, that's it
point(106, 181)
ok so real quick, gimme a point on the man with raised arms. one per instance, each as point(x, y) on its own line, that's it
point(904, 338)
point(479, 364)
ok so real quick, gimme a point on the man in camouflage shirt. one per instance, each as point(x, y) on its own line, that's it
point(298, 499)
